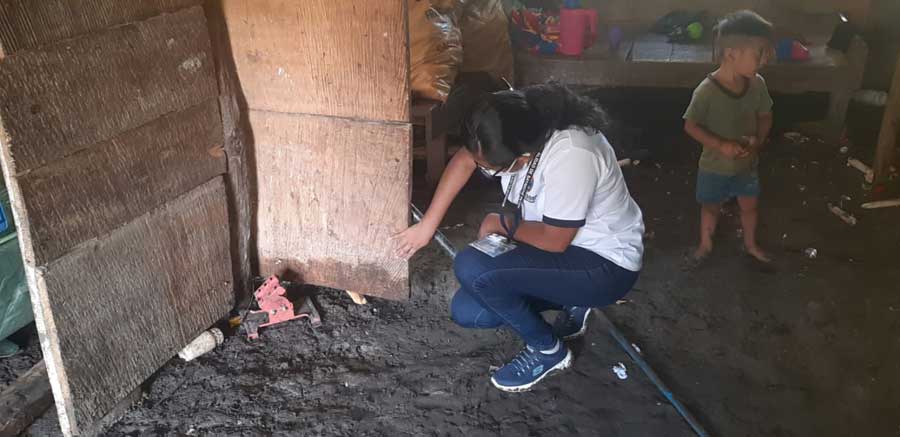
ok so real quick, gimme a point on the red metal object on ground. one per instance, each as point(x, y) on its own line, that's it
point(274, 308)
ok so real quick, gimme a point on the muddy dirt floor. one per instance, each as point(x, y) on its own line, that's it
point(810, 349)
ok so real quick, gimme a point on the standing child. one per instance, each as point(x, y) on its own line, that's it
point(730, 115)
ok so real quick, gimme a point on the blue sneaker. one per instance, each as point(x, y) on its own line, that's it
point(530, 367)
point(571, 323)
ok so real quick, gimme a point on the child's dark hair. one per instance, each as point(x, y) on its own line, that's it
point(508, 124)
point(745, 23)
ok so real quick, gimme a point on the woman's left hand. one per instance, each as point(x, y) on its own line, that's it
point(490, 225)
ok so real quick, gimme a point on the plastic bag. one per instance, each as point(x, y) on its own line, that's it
point(486, 43)
point(435, 47)
point(15, 303)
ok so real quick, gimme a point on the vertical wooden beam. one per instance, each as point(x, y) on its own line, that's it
point(859, 11)
point(435, 147)
point(887, 137)
point(237, 145)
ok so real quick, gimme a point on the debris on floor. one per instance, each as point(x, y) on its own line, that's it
point(843, 215)
point(205, 342)
point(275, 308)
point(796, 137)
point(867, 171)
point(881, 204)
point(620, 370)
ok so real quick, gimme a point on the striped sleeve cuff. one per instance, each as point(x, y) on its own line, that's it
point(564, 223)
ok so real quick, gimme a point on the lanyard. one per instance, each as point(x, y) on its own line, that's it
point(529, 179)
point(526, 186)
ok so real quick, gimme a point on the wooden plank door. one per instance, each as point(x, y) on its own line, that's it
point(112, 148)
point(325, 84)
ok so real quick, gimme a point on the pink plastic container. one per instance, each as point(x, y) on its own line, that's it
point(577, 30)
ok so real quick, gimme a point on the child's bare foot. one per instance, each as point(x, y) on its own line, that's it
point(702, 252)
point(758, 253)
point(697, 257)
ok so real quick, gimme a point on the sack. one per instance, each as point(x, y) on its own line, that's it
point(435, 47)
point(485, 36)
point(15, 304)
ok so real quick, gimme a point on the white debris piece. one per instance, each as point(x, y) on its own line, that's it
point(796, 137)
point(881, 204)
point(865, 169)
point(843, 215)
point(205, 342)
point(871, 97)
point(620, 371)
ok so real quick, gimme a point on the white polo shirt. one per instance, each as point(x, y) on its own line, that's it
point(578, 184)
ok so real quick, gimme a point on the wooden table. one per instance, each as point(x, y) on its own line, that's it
point(650, 61)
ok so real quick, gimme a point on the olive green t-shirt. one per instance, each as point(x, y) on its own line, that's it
point(731, 117)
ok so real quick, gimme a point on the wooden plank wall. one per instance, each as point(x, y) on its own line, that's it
point(112, 147)
point(338, 203)
point(341, 58)
point(27, 24)
point(326, 88)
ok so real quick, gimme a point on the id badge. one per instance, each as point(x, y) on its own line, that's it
point(493, 245)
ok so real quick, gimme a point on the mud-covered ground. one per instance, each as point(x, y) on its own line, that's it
point(388, 369)
point(812, 348)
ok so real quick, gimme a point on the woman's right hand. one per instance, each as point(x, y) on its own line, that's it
point(408, 242)
point(457, 173)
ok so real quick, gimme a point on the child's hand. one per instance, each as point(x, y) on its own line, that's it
point(732, 149)
point(754, 145)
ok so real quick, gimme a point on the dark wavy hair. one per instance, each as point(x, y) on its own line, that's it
point(505, 125)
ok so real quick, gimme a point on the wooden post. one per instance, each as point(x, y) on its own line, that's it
point(435, 149)
point(844, 88)
point(24, 401)
point(887, 138)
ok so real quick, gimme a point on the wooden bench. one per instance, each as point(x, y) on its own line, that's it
point(434, 117)
point(650, 61)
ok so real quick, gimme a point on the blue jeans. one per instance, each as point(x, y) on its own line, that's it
point(514, 288)
point(714, 188)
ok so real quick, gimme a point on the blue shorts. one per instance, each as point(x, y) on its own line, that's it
point(715, 188)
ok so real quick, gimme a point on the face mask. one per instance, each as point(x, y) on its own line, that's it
point(495, 173)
